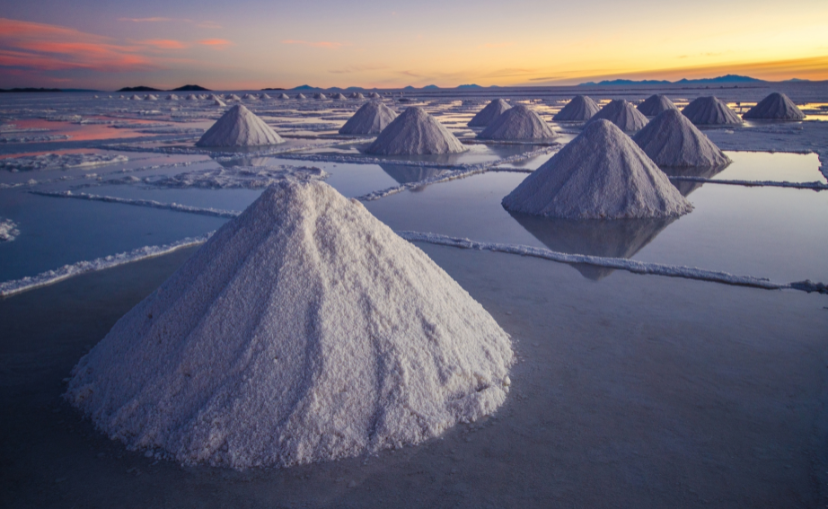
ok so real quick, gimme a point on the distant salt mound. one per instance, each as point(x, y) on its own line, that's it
point(249, 97)
point(191, 97)
point(371, 118)
point(356, 95)
point(492, 110)
point(671, 139)
point(601, 174)
point(518, 123)
point(136, 97)
point(304, 330)
point(300, 96)
point(655, 105)
point(239, 127)
point(319, 97)
point(172, 97)
point(710, 111)
point(374, 95)
point(621, 113)
point(338, 97)
point(283, 96)
point(152, 97)
point(580, 108)
point(776, 106)
point(218, 102)
point(264, 97)
point(232, 97)
point(415, 132)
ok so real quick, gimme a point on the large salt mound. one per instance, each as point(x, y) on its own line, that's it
point(601, 174)
point(621, 113)
point(304, 330)
point(671, 139)
point(579, 108)
point(710, 111)
point(371, 118)
point(655, 105)
point(415, 132)
point(518, 123)
point(239, 127)
point(492, 110)
point(776, 106)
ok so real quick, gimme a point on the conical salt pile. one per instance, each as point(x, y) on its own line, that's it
point(518, 123)
point(304, 330)
point(671, 139)
point(338, 97)
point(776, 106)
point(655, 105)
point(580, 108)
point(151, 97)
point(192, 97)
point(374, 95)
point(136, 97)
point(415, 132)
point(239, 127)
point(218, 102)
point(356, 95)
point(264, 97)
point(284, 96)
point(371, 118)
point(300, 96)
point(319, 97)
point(232, 97)
point(492, 110)
point(249, 97)
point(172, 97)
point(621, 113)
point(710, 111)
point(601, 174)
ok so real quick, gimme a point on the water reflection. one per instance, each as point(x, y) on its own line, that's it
point(685, 187)
point(619, 238)
point(406, 174)
point(242, 161)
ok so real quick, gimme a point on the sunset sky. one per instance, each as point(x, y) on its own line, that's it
point(255, 44)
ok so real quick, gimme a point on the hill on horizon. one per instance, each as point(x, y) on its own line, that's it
point(191, 88)
point(729, 78)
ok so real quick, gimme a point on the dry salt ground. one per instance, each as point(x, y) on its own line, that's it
point(492, 110)
point(304, 330)
point(239, 127)
point(371, 118)
point(776, 106)
point(670, 139)
point(601, 174)
point(580, 108)
point(656, 104)
point(518, 123)
point(710, 111)
point(621, 113)
point(415, 132)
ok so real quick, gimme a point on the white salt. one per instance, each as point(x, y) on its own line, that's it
point(710, 111)
point(672, 140)
point(264, 97)
point(283, 96)
point(172, 97)
point(621, 113)
point(319, 97)
point(492, 110)
point(356, 95)
point(374, 95)
point(415, 132)
point(371, 118)
point(776, 106)
point(8, 230)
point(300, 96)
point(518, 123)
point(579, 108)
point(239, 127)
point(656, 104)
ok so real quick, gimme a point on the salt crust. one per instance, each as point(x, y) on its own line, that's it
point(776, 106)
point(492, 110)
point(671, 139)
point(371, 118)
point(305, 330)
point(656, 104)
point(8, 230)
point(518, 123)
point(579, 108)
point(601, 174)
point(415, 132)
point(621, 113)
point(60, 161)
point(239, 127)
point(710, 111)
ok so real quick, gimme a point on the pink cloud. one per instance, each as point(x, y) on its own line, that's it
point(317, 44)
point(220, 43)
point(165, 44)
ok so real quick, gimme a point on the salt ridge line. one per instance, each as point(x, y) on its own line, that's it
point(49, 277)
point(141, 203)
point(632, 266)
point(816, 185)
point(211, 153)
point(88, 176)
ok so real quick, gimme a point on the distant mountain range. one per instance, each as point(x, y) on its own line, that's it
point(191, 88)
point(185, 88)
point(29, 89)
point(730, 78)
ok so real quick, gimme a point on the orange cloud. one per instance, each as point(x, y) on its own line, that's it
point(317, 44)
point(165, 44)
point(219, 43)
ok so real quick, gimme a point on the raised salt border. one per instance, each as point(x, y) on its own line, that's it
point(621, 113)
point(601, 174)
point(518, 123)
point(776, 106)
point(671, 139)
point(415, 132)
point(60, 161)
point(492, 110)
point(656, 104)
point(371, 118)
point(710, 111)
point(304, 330)
point(239, 127)
point(579, 108)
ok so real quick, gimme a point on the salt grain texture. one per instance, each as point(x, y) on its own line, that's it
point(656, 104)
point(671, 139)
point(710, 111)
point(371, 118)
point(492, 110)
point(305, 330)
point(518, 123)
point(415, 132)
point(621, 113)
point(579, 108)
point(601, 174)
point(239, 127)
point(776, 106)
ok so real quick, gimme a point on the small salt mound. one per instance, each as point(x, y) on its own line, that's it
point(492, 110)
point(356, 95)
point(671, 139)
point(120, 97)
point(192, 97)
point(371, 118)
point(415, 132)
point(621, 113)
point(338, 97)
point(232, 97)
point(172, 97)
point(374, 95)
point(304, 330)
point(249, 97)
point(152, 97)
point(655, 105)
point(239, 127)
point(264, 97)
point(136, 97)
point(283, 96)
point(300, 96)
point(601, 174)
point(776, 106)
point(518, 123)
point(580, 108)
point(319, 97)
point(218, 102)
point(710, 111)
